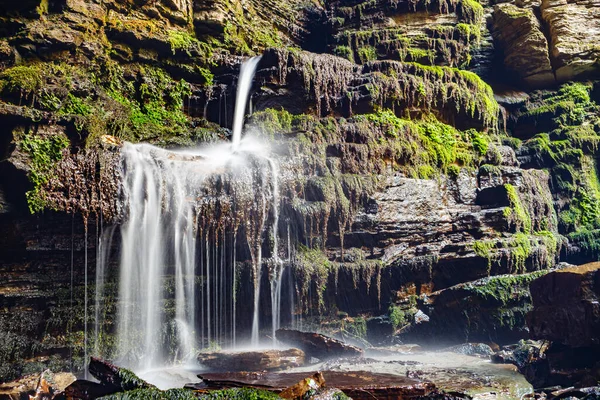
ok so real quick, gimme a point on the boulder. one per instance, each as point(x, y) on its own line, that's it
point(566, 307)
point(317, 345)
point(472, 349)
point(546, 364)
point(267, 360)
point(487, 309)
point(574, 37)
point(525, 47)
point(112, 376)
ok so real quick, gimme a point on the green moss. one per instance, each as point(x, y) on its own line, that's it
point(273, 122)
point(366, 54)
point(44, 153)
point(345, 52)
point(209, 78)
point(567, 107)
point(355, 326)
point(75, 106)
point(516, 214)
point(154, 109)
point(425, 172)
point(22, 80)
point(588, 240)
point(397, 317)
point(314, 270)
point(471, 11)
point(520, 249)
point(416, 54)
point(181, 40)
point(483, 248)
point(480, 141)
point(153, 394)
point(453, 171)
point(490, 170)
point(470, 32)
point(427, 144)
point(129, 380)
point(505, 289)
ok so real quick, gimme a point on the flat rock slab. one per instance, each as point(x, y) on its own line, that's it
point(317, 345)
point(357, 385)
point(268, 360)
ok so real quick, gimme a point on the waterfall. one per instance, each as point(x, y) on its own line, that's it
point(277, 264)
point(102, 259)
point(243, 90)
point(184, 215)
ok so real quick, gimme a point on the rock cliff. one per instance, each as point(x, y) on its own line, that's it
point(425, 145)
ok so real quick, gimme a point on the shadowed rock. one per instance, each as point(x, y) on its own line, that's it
point(566, 306)
point(317, 345)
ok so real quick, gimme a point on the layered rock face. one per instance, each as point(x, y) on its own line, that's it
point(557, 38)
point(402, 179)
point(574, 28)
point(519, 32)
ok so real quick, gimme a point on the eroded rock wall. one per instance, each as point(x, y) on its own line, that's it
point(404, 173)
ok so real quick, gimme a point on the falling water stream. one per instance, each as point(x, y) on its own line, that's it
point(179, 273)
point(243, 90)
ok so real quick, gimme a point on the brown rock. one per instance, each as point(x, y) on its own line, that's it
point(252, 360)
point(299, 389)
point(574, 35)
point(37, 387)
point(525, 47)
point(317, 345)
point(357, 385)
point(566, 306)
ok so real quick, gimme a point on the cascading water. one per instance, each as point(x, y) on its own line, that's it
point(185, 213)
point(243, 90)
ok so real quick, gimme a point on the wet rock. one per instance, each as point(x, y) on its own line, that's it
point(472, 349)
point(518, 354)
point(357, 385)
point(566, 306)
point(317, 345)
point(525, 47)
point(253, 360)
point(111, 376)
point(574, 37)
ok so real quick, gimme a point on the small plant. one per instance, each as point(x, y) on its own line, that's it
point(44, 152)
